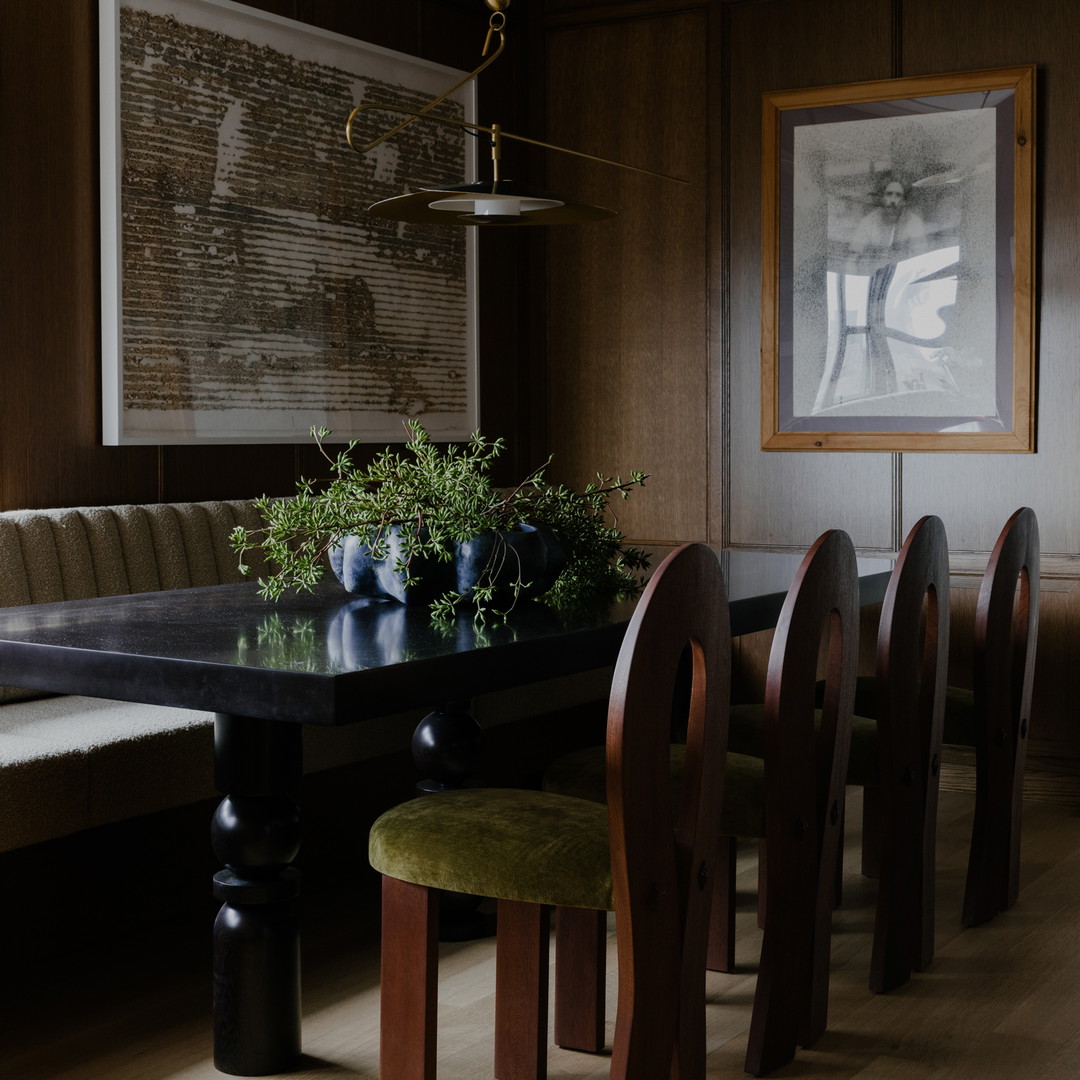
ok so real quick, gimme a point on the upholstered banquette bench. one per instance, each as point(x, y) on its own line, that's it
point(68, 763)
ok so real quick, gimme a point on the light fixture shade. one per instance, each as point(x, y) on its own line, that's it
point(487, 202)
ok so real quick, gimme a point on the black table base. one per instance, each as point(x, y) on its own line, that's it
point(256, 834)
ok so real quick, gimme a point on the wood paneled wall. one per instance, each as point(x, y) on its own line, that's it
point(654, 324)
point(628, 325)
point(50, 437)
point(636, 344)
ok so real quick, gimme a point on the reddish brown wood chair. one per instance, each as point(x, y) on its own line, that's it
point(646, 855)
point(900, 788)
point(994, 717)
point(793, 798)
point(895, 758)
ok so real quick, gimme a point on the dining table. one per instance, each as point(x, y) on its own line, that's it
point(266, 668)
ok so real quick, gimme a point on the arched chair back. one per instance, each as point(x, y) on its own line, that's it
point(1006, 633)
point(819, 624)
point(911, 669)
point(662, 854)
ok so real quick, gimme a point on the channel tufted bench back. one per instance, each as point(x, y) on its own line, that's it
point(82, 552)
point(68, 762)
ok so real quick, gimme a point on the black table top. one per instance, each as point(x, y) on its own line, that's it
point(328, 657)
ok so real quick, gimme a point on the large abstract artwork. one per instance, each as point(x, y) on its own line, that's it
point(898, 265)
point(247, 296)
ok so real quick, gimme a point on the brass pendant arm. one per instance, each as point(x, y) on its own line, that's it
point(593, 157)
point(494, 131)
point(423, 114)
point(496, 27)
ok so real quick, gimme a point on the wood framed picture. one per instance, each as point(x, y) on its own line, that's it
point(247, 295)
point(898, 265)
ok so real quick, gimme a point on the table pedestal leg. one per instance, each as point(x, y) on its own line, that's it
point(447, 748)
point(256, 834)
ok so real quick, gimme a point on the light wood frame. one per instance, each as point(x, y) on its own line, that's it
point(970, 386)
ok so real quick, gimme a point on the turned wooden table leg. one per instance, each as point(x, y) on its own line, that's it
point(256, 834)
point(447, 749)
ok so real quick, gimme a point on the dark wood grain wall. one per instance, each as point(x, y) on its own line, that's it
point(635, 345)
point(654, 321)
point(50, 437)
point(628, 311)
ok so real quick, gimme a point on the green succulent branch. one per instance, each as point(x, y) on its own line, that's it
point(434, 498)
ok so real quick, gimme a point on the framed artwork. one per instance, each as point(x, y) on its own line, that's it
point(898, 263)
point(247, 296)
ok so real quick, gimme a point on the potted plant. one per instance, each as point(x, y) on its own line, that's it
point(427, 525)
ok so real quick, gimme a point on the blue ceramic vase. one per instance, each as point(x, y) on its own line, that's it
point(529, 556)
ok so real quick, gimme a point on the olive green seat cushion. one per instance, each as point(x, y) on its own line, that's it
point(503, 843)
point(747, 736)
point(959, 724)
point(959, 727)
point(582, 775)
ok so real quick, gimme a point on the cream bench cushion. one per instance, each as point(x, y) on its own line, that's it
point(68, 763)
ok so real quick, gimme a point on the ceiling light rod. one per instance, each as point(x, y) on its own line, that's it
point(495, 26)
point(494, 130)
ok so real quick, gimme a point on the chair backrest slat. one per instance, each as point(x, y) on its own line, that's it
point(662, 855)
point(805, 773)
point(912, 666)
point(1005, 638)
point(1006, 626)
point(912, 671)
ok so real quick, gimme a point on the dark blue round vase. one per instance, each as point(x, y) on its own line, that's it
point(529, 557)
point(526, 561)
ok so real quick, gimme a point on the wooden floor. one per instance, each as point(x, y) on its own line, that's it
point(1000, 1001)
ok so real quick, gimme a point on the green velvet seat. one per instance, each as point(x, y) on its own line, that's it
point(959, 726)
point(960, 718)
point(648, 856)
point(747, 737)
point(501, 843)
point(581, 775)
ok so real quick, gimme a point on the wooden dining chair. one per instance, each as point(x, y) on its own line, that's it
point(792, 798)
point(994, 716)
point(900, 787)
point(646, 855)
point(895, 757)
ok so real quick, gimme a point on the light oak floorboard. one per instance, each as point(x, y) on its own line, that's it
point(999, 1002)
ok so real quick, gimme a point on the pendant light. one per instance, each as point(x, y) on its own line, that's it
point(494, 202)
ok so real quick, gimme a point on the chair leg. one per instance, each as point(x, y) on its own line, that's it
point(700, 906)
point(1012, 872)
point(991, 832)
point(522, 946)
point(580, 978)
point(838, 867)
point(993, 882)
point(816, 1018)
point(871, 832)
point(762, 882)
point(783, 983)
point(408, 988)
point(721, 951)
point(898, 922)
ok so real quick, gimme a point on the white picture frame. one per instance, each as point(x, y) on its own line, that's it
point(246, 295)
